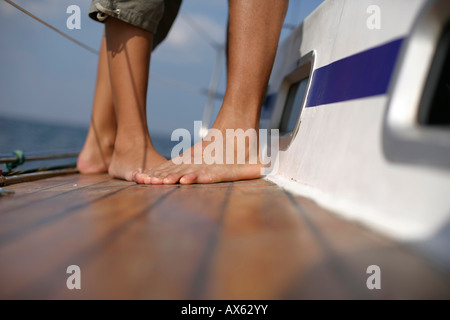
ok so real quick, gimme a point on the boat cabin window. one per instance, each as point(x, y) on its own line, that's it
point(291, 97)
point(293, 106)
point(435, 106)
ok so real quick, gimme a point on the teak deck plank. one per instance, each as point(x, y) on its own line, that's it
point(159, 250)
point(29, 193)
point(261, 247)
point(241, 240)
point(52, 205)
point(75, 238)
point(353, 248)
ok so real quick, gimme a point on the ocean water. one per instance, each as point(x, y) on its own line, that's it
point(33, 136)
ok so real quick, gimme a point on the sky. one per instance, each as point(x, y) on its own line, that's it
point(44, 77)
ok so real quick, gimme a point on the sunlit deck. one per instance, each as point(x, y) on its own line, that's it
point(241, 240)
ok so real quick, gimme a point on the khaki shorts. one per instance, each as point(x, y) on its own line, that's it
point(155, 16)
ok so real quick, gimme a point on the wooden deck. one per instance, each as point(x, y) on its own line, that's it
point(241, 240)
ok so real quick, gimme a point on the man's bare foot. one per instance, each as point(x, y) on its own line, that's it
point(132, 157)
point(95, 157)
point(252, 45)
point(203, 167)
point(199, 173)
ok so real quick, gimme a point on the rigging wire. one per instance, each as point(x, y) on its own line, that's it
point(211, 93)
point(294, 15)
point(194, 25)
point(174, 83)
point(184, 86)
point(65, 35)
point(28, 175)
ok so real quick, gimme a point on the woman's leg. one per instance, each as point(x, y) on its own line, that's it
point(129, 51)
point(96, 154)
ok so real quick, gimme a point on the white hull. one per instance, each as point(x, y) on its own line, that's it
point(339, 155)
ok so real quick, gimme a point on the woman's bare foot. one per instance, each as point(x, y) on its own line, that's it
point(131, 157)
point(95, 157)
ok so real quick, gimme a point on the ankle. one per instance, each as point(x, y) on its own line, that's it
point(235, 121)
point(107, 142)
point(233, 116)
point(129, 142)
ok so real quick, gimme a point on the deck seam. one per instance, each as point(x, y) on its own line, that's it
point(43, 189)
point(112, 235)
point(54, 196)
point(10, 236)
point(198, 284)
point(331, 256)
point(87, 254)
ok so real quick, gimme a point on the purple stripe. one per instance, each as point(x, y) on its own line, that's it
point(365, 74)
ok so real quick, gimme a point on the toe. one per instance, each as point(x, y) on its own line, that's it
point(209, 178)
point(155, 180)
point(147, 179)
point(188, 178)
point(172, 178)
point(139, 177)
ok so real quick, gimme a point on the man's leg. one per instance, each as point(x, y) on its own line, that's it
point(95, 157)
point(129, 50)
point(254, 30)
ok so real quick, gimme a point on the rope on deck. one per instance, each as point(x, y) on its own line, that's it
point(36, 175)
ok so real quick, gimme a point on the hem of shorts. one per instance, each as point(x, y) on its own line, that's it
point(133, 18)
